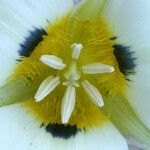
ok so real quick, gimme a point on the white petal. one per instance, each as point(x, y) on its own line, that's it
point(68, 103)
point(76, 50)
point(96, 68)
point(21, 131)
point(93, 93)
point(46, 87)
point(130, 21)
point(17, 18)
point(139, 88)
point(36, 13)
point(53, 61)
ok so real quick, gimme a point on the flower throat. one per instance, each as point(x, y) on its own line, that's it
point(81, 69)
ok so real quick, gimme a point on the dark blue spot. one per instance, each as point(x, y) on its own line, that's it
point(125, 59)
point(31, 41)
point(62, 131)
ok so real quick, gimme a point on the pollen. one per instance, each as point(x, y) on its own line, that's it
point(76, 71)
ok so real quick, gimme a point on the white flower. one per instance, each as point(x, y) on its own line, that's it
point(46, 77)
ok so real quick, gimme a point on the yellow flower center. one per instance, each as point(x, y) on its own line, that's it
point(74, 76)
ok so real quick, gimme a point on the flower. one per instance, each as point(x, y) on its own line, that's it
point(75, 75)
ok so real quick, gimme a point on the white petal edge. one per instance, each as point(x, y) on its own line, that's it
point(18, 16)
point(134, 148)
point(130, 22)
point(53, 61)
point(96, 68)
point(68, 103)
point(133, 145)
point(46, 87)
point(75, 2)
point(28, 134)
point(93, 93)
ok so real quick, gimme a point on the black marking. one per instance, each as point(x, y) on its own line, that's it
point(18, 60)
point(42, 125)
point(62, 131)
point(113, 38)
point(125, 59)
point(31, 42)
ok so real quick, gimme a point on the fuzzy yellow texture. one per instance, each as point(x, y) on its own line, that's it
point(97, 47)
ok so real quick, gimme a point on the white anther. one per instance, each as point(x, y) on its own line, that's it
point(76, 50)
point(46, 87)
point(53, 61)
point(93, 93)
point(96, 68)
point(68, 103)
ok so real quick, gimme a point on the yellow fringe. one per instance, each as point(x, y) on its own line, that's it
point(97, 48)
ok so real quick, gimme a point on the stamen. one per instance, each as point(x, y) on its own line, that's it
point(53, 61)
point(76, 50)
point(93, 93)
point(96, 68)
point(68, 103)
point(46, 87)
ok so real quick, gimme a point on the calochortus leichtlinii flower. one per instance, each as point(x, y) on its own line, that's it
point(79, 73)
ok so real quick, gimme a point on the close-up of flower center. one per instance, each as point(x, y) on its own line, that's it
point(72, 76)
point(74, 69)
